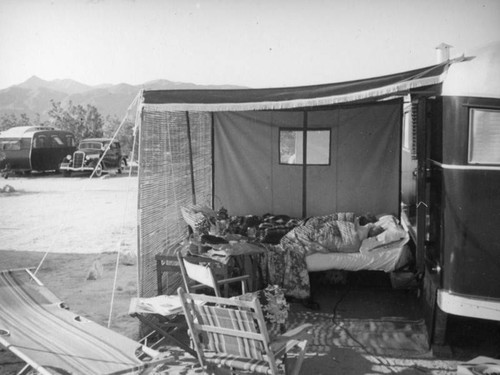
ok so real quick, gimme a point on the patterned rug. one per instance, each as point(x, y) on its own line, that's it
point(391, 337)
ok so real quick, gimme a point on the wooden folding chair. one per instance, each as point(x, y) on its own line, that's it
point(203, 274)
point(38, 328)
point(232, 334)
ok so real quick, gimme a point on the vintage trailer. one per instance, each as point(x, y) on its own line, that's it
point(451, 190)
point(34, 148)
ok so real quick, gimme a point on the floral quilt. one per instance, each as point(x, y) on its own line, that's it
point(284, 264)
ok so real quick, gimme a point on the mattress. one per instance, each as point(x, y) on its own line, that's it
point(387, 258)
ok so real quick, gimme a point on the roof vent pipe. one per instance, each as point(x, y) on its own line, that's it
point(443, 53)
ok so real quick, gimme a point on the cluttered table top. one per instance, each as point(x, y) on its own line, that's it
point(223, 248)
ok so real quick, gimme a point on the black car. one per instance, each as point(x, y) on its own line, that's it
point(89, 157)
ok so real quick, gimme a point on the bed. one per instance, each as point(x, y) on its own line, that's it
point(295, 247)
point(388, 259)
point(385, 251)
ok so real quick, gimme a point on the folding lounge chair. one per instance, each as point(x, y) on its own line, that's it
point(37, 327)
point(232, 334)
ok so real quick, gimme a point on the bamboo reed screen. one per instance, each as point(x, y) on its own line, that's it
point(175, 169)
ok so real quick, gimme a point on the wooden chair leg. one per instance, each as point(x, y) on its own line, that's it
point(298, 363)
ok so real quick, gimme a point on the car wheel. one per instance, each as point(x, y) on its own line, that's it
point(98, 170)
point(123, 165)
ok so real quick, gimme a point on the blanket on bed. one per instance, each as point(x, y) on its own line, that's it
point(284, 264)
point(325, 234)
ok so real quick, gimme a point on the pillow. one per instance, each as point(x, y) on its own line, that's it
point(391, 235)
point(369, 244)
point(392, 232)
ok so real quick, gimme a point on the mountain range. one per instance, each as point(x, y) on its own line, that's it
point(35, 94)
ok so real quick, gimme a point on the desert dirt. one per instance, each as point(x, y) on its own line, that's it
point(69, 215)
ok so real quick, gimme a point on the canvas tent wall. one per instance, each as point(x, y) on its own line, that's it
point(249, 178)
point(201, 146)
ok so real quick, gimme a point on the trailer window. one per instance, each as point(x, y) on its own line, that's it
point(57, 142)
point(484, 136)
point(40, 142)
point(317, 147)
point(10, 145)
point(410, 130)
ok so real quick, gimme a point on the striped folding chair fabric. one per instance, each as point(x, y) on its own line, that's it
point(37, 327)
point(232, 333)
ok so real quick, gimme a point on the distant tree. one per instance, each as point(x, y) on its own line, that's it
point(62, 119)
point(82, 122)
point(125, 136)
point(37, 121)
point(93, 122)
point(8, 121)
point(11, 120)
point(24, 120)
point(111, 124)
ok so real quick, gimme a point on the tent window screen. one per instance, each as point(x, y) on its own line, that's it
point(317, 147)
point(484, 138)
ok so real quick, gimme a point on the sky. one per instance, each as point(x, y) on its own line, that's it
point(253, 43)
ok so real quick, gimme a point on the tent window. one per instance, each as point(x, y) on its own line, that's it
point(292, 147)
point(484, 136)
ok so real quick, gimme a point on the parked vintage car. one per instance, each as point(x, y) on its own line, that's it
point(89, 157)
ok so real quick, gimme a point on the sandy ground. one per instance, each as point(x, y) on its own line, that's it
point(64, 226)
point(70, 223)
point(69, 215)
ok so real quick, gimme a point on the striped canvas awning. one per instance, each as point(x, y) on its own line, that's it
point(370, 89)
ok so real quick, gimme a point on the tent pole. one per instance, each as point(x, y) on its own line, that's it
point(191, 166)
point(140, 261)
